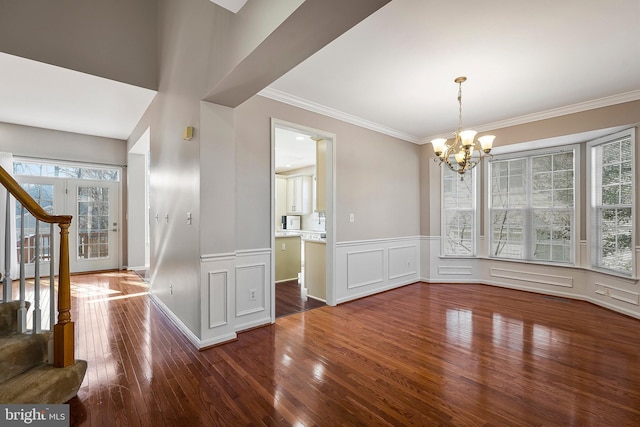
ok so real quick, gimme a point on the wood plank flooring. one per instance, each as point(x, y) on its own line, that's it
point(289, 299)
point(424, 354)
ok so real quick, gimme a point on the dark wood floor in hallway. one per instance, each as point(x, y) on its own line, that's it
point(424, 354)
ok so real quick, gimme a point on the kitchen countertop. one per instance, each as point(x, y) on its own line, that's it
point(306, 235)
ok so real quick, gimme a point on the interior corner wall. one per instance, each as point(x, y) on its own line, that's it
point(138, 214)
point(112, 39)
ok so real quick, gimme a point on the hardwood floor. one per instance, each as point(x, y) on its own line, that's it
point(424, 354)
point(289, 299)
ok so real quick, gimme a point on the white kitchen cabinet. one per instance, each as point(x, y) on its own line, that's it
point(299, 195)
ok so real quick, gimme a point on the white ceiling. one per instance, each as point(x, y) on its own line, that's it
point(293, 150)
point(394, 71)
point(41, 95)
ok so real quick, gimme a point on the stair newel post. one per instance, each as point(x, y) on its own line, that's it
point(63, 331)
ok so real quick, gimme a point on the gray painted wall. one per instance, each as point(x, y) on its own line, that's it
point(377, 176)
point(194, 53)
point(115, 39)
point(53, 144)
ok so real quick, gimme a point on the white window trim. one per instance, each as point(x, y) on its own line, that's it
point(476, 210)
point(591, 188)
point(577, 194)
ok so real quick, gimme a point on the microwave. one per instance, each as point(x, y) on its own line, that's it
point(291, 222)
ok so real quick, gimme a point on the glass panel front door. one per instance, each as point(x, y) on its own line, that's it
point(93, 222)
point(93, 234)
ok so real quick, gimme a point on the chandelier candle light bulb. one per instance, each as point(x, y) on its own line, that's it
point(463, 145)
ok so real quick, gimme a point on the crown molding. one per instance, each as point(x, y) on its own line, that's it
point(286, 98)
point(607, 101)
point(555, 112)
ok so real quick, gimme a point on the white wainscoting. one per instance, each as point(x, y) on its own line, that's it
point(536, 277)
point(228, 282)
point(218, 291)
point(616, 292)
point(370, 266)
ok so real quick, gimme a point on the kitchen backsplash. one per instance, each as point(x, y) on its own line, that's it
point(313, 222)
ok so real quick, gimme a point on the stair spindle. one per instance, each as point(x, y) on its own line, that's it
point(22, 311)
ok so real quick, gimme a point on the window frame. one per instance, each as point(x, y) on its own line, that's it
point(593, 237)
point(475, 234)
point(528, 229)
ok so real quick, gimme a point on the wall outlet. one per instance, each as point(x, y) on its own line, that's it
point(252, 294)
point(284, 247)
point(170, 288)
point(408, 263)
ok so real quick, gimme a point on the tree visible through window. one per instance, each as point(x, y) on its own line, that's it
point(532, 207)
point(458, 213)
point(612, 162)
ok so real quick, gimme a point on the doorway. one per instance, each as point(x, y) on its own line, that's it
point(91, 195)
point(302, 218)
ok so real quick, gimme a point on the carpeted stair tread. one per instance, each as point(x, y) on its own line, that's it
point(44, 384)
point(9, 316)
point(20, 352)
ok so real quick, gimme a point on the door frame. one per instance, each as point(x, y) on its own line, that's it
point(330, 214)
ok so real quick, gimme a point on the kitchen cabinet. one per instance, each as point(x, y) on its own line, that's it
point(315, 269)
point(299, 195)
point(321, 176)
point(288, 252)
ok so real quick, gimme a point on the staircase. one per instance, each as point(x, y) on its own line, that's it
point(25, 374)
point(37, 367)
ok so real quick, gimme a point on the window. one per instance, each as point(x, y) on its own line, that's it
point(458, 213)
point(65, 171)
point(612, 199)
point(532, 206)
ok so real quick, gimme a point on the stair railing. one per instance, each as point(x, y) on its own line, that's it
point(63, 331)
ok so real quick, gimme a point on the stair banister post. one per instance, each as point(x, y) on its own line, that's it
point(63, 330)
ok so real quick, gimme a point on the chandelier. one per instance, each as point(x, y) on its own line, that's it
point(463, 153)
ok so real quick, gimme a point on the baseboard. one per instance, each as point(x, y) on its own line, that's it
point(197, 342)
point(375, 291)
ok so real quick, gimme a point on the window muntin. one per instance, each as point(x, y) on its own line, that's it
point(458, 213)
point(532, 207)
point(65, 171)
point(612, 203)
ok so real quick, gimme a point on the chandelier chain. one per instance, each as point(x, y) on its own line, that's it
point(459, 107)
